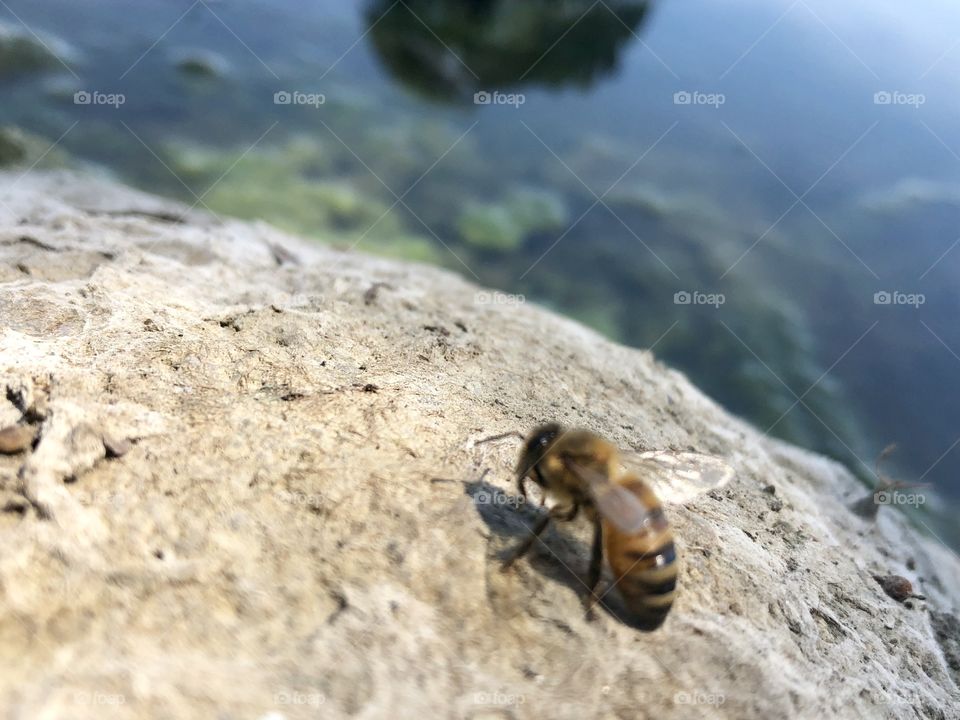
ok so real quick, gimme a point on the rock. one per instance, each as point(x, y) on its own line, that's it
point(897, 587)
point(22, 52)
point(301, 522)
point(498, 44)
point(947, 629)
point(12, 147)
point(22, 148)
point(16, 438)
point(200, 63)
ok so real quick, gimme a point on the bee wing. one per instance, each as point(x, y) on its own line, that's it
point(614, 502)
point(678, 478)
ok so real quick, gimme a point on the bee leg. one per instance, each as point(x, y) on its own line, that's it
point(525, 546)
point(522, 486)
point(596, 566)
point(538, 529)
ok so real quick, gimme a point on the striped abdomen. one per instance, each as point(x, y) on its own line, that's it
point(644, 564)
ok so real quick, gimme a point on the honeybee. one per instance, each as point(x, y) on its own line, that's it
point(583, 472)
point(868, 506)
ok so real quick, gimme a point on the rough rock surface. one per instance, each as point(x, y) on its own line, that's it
point(257, 493)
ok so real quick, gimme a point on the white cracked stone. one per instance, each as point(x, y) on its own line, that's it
point(254, 496)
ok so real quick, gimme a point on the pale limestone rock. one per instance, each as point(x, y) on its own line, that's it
point(291, 530)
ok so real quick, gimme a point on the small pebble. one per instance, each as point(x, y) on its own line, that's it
point(897, 587)
point(16, 438)
point(116, 448)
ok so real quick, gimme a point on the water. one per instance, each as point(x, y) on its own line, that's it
point(786, 168)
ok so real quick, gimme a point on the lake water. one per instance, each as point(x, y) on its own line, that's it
point(765, 193)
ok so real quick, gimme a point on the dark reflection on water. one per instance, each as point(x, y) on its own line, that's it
point(452, 49)
point(766, 193)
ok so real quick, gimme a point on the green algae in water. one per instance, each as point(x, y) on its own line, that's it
point(537, 210)
point(293, 187)
point(12, 147)
point(503, 226)
point(200, 64)
point(18, 147)
point(405, 247)
point(489, 226)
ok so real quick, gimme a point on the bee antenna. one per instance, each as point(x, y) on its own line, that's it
point(900, 485)
point(885, 481)
point(501, 436)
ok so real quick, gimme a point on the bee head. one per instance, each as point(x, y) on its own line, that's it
point(535, 447)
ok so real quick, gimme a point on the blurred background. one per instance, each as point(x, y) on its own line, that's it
point(767, 193)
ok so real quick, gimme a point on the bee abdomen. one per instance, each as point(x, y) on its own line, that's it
point(647, 581)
